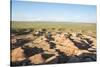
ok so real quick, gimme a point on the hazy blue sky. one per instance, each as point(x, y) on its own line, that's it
point(37, 11)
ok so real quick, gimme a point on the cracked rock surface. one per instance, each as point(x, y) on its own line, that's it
point(44, 47)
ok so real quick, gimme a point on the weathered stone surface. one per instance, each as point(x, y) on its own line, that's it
point(13, 41)
point(43, 47)
point(74, 59)
point(28, 51)
point(17, 54)
point(36, 59)
point(30, 44)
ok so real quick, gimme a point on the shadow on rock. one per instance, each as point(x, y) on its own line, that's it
point(28, 51)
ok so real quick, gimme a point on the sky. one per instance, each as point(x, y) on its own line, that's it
point(40, 11)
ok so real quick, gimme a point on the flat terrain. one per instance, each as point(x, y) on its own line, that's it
point(50, 25)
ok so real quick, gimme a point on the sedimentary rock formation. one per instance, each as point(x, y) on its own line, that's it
point(43, 47)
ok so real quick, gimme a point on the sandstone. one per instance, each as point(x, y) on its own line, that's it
point(29, 44)
point(43, 47)
point(36, 59)
point(17, 54)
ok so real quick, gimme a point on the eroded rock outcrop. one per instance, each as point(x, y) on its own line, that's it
point(43, 47)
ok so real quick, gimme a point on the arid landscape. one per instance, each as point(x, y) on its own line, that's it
point(52, 33)
point(52, 43)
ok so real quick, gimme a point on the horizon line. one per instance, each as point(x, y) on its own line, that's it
point(51, 21)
